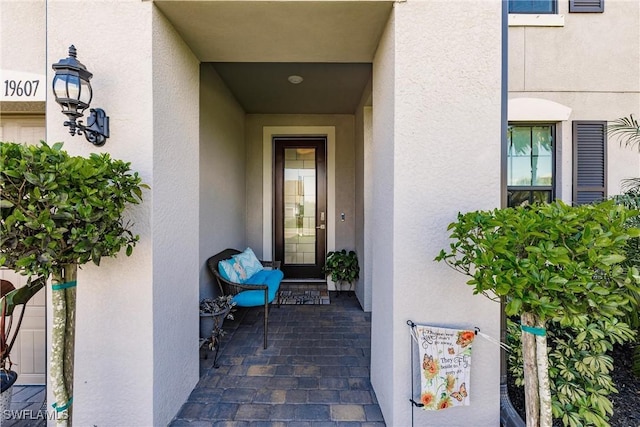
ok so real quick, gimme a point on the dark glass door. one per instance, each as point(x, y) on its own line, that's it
point(300, 206)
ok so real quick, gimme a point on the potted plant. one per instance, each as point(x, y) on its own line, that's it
point(58, 212)
point(342, 267)
point(213, 311)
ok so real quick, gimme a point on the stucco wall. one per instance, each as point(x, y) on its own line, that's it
point(381, 217)
point(222, 173)
point(345, 172)
point(363, 135)
point(137, 316)
point(579, 56)
point(115, 300)
point(590, 65)
point(175, 225)
point(437, 129)
point(17, 52)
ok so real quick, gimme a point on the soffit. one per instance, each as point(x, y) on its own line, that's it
point(279, 31)
point(326, 89)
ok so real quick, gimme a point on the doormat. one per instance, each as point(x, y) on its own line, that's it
point(300, 297)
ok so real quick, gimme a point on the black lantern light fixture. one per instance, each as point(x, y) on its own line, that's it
point(72, 90)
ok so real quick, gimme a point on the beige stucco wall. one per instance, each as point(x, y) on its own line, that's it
point(436, 137)
point(344, 167)
point(590, 65)
point(135, 341)
point(362, 196)
point(222, 173)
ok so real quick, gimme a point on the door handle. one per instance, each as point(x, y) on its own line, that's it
point(321, 227)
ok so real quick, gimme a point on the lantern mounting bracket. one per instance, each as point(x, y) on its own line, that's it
point(97, 129)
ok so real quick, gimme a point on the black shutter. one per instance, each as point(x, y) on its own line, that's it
point(589, 161)
point(586, 6)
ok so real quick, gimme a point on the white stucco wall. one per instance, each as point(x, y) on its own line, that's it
point(175, 225)
point(384, 364)
point(436, 137)
point(137, 316)
point(17, 52)
point(222, 173)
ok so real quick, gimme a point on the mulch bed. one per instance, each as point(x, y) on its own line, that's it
point(626, 404)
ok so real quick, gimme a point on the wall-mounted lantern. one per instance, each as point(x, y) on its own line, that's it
point(72, 90)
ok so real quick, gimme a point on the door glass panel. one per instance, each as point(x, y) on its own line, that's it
point(299, 205)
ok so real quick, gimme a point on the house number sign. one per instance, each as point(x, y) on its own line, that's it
point(21, 86)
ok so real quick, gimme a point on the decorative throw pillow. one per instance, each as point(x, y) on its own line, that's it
point(232, 270)
point(249, 261)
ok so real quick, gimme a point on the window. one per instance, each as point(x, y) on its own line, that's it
point(533, 6)
point(530, 164)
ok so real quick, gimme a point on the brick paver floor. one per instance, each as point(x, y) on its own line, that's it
point(315, 371)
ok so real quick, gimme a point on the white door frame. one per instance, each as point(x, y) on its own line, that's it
point(268, 133)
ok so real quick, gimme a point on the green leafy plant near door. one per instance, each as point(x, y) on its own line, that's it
point(58, 212)
point(555, 266)
point(342, 267)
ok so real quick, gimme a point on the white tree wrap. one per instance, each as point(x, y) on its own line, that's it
point(63, 342)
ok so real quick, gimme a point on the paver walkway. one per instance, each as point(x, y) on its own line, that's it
point(28, 407)
point(315, 371)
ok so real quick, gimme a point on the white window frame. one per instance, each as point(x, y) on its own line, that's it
point(537, 19)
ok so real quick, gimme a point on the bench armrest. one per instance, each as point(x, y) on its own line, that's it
point(273, 264)
point(232, 288)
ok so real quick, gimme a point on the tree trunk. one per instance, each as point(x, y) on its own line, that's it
point(536, 373)
point(63, 297)
point(531, 397)
point(544, 389)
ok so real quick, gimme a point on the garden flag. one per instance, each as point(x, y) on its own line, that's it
point(445, 366)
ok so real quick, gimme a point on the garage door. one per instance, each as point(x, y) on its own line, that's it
point(29, 351)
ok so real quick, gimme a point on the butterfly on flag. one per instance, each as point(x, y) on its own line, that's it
point(461, 393)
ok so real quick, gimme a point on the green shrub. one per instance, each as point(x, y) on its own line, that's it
point(566, 267)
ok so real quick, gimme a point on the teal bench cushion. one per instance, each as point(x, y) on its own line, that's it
point(271, 278)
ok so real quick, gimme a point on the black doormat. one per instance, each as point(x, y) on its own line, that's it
point(302, 296)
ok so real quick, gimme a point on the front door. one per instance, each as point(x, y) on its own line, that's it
point(300, 205)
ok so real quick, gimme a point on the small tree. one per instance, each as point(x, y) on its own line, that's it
point(59, 212)
point(549, 262)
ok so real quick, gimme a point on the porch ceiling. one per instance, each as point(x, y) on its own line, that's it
point(256, 45)
point(279, 31)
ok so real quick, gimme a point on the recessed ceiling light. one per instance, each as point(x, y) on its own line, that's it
point(295, 79)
